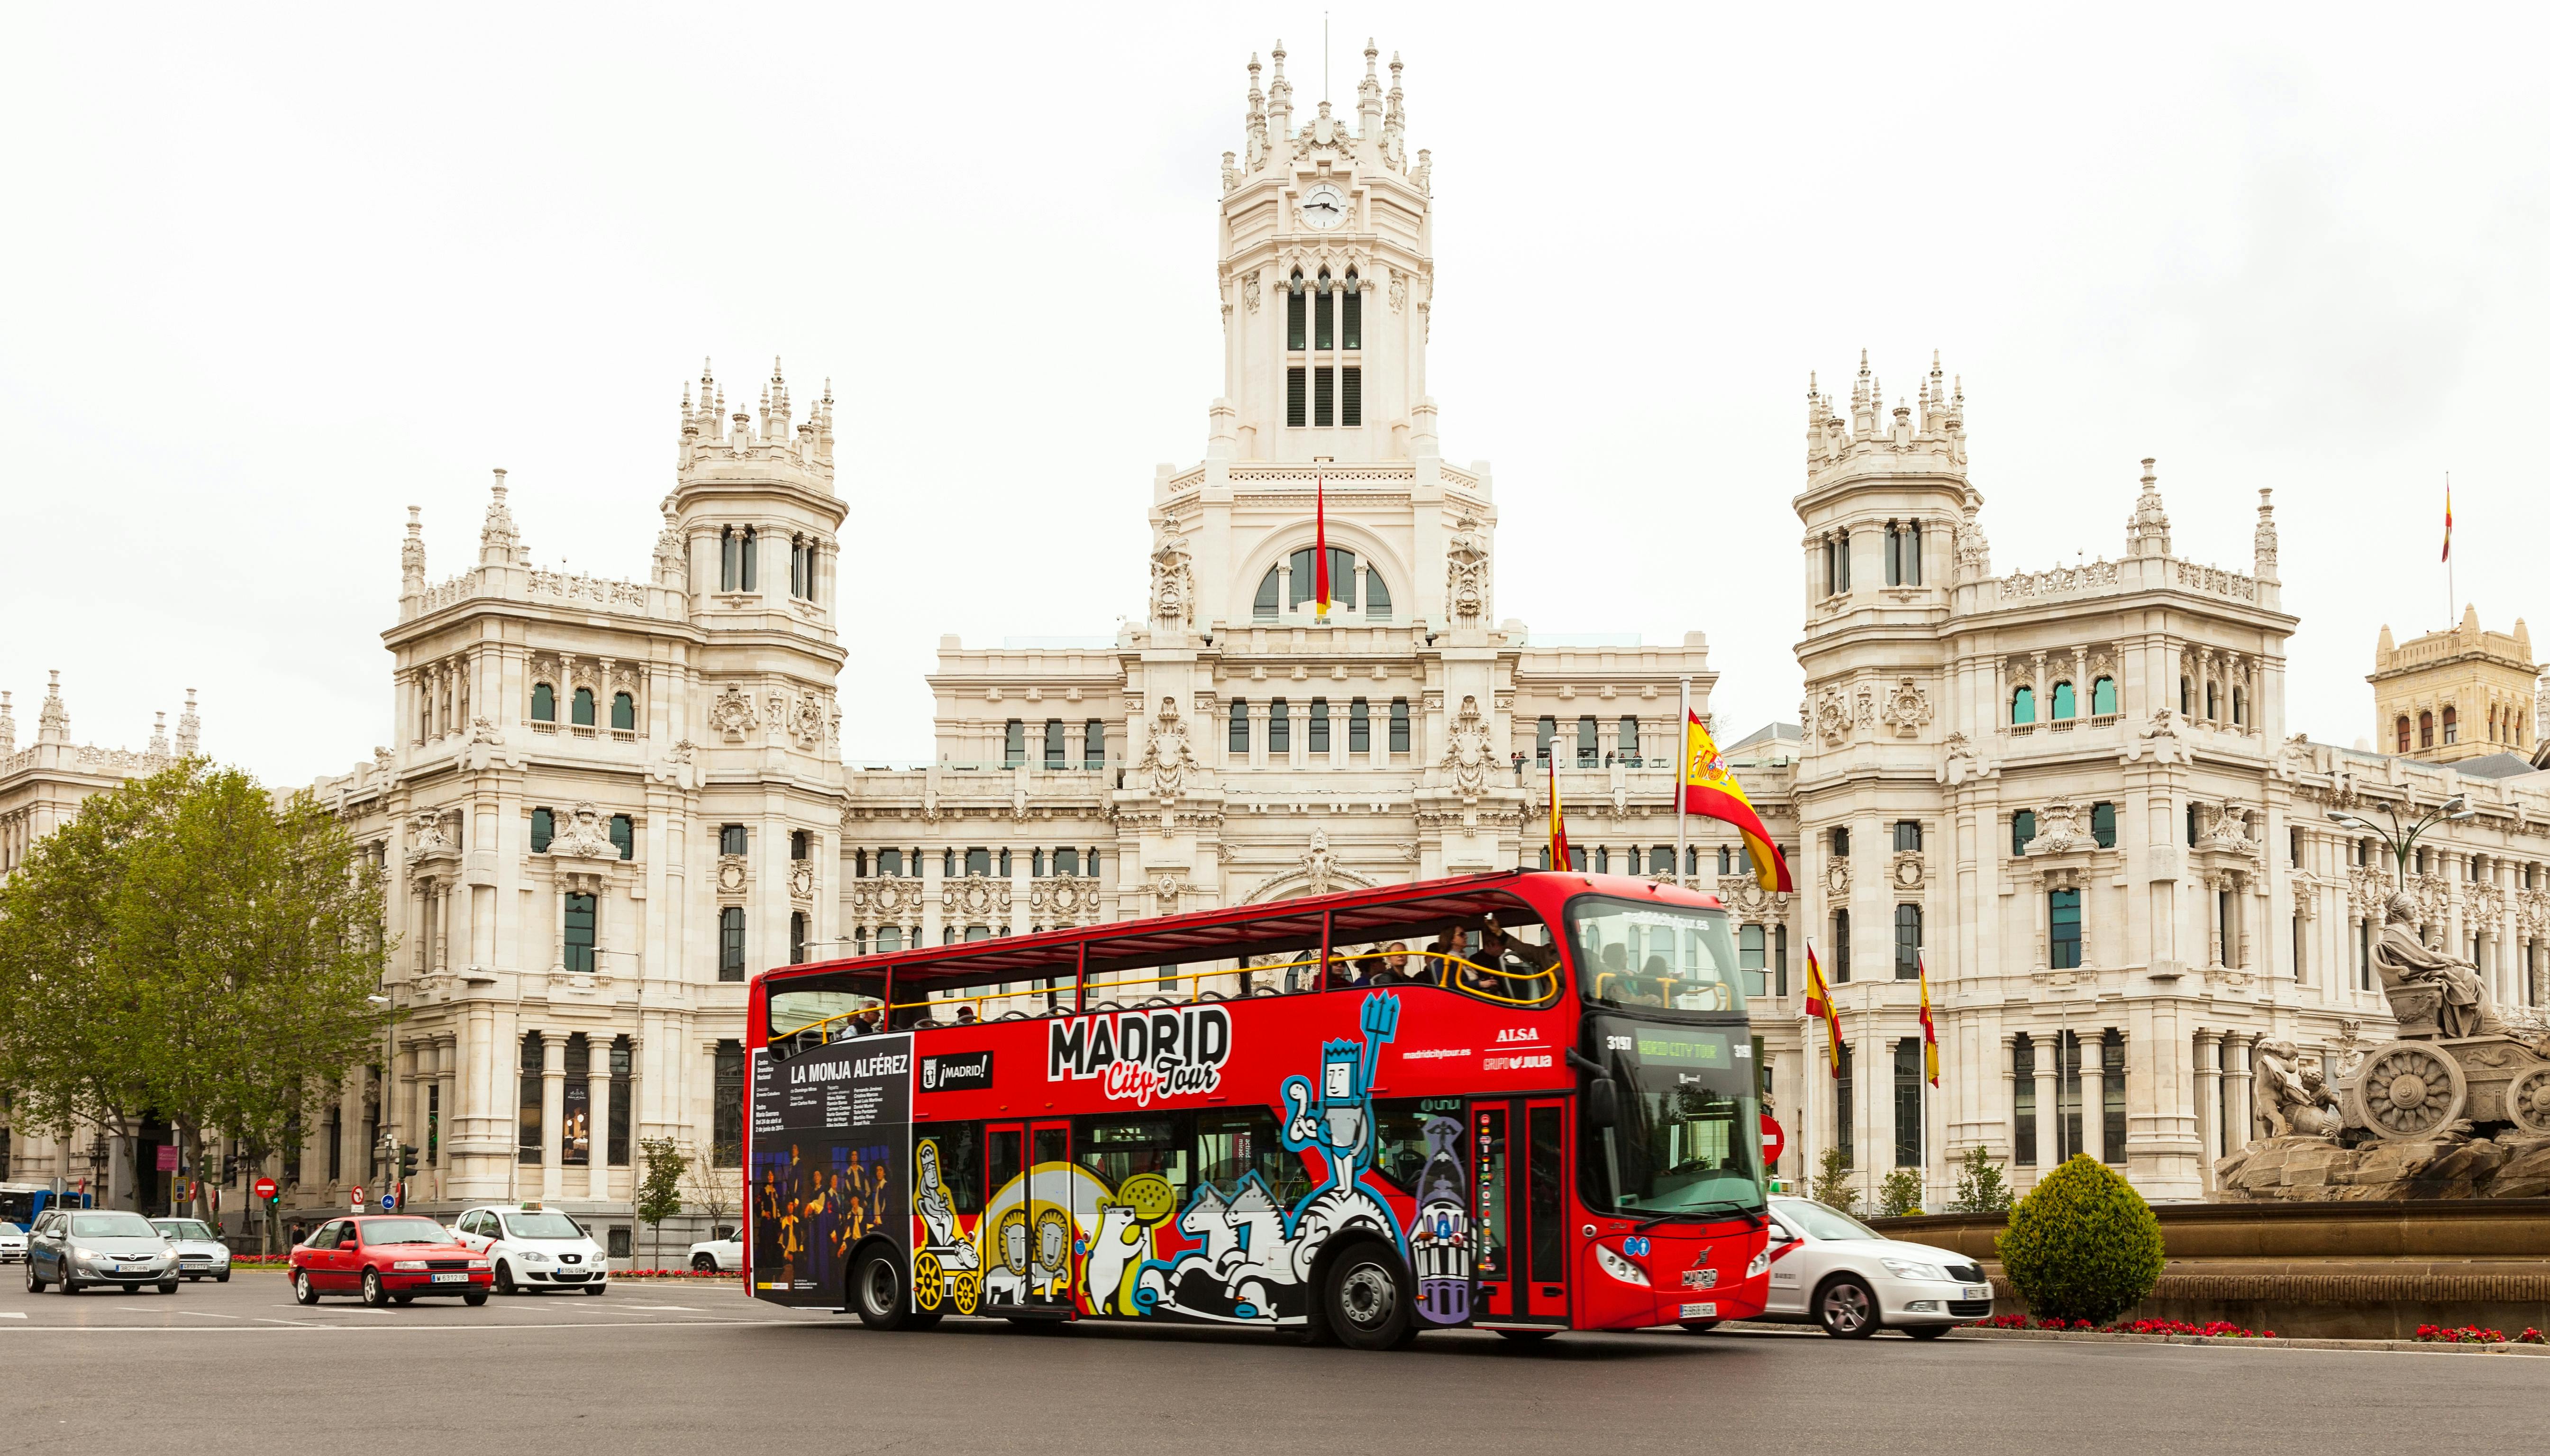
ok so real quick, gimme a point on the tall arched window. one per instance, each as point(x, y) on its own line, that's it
point(543, 703)
point(2064, 703)
point(2403, 732)
point(729, 558)
point(1269, 593)
point(2022, 707)
point(582, 709)
point(2186, 698)
point(2425, 730)
point(577, 939)
point(2213, 704)
point(752, 561)
point(624, 711)
point(1376, 595)
point(2452, 725)
point(730, 944)
point(2239, 707)
point(2103, 698)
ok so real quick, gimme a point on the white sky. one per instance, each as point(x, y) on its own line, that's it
point(270, 278)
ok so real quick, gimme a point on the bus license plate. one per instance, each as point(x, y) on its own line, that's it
point(1706, 1309)
point(451, 1279)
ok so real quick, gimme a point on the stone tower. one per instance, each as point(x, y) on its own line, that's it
point(2455, 695)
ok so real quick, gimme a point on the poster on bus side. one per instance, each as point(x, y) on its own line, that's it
point(831, 1164)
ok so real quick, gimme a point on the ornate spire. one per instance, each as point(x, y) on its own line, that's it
point(671, 567)
point(2265, 540)
point(1256, 117)
point(499, 543)
point(8, 727)
point(1279, 99)
point(1368, 94)
point(190, 728)
point(1394, 123)
point(2147, 532)
point(412, 554)
point(54, 720)
point(159, 735)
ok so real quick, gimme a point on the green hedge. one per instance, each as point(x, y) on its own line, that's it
point(2082, 1245)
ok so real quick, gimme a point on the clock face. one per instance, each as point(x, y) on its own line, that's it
point(1323, 206)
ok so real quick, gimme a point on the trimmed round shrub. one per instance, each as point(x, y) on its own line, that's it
point(2082, 1245)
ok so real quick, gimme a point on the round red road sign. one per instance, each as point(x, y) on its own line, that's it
point(265, 1188)
point(1773, 1139)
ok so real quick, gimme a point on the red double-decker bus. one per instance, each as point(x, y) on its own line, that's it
point(1526, 1102)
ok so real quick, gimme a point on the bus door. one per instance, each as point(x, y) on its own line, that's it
point(1051, 1230)
point(1518, 1156)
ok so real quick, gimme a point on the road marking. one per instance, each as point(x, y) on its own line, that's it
point(681, 1308)
point(199, 1314)
point(13, 1314)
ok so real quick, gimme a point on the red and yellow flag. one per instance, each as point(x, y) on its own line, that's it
point(1319, 546)
point(1929, 1028)
point(2448, 518)
point(1820, 1007)
point(1709, 790)
point(1558, 857)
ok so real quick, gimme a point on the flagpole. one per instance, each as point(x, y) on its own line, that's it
point(2452, 597)
point(1682, 821)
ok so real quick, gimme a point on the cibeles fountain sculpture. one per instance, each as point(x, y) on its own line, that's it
point(2457, 1106)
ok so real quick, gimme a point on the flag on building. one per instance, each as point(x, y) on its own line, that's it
point(1929, 1028)
point(2448, 519)
point(1709, 790)
point(1820, 1007)
point(1558, 857)
point(1319, 546)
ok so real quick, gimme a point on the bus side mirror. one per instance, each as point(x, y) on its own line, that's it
point(1603, 1102)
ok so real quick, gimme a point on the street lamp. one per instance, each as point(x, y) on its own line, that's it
point(2401, 839)
point(387, 1148)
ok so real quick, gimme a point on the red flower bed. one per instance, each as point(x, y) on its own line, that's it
point(2477, 1335)
point(2220, 1328)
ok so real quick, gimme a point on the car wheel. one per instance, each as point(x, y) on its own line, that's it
point(1527, 1336)
point(877, 1293)
point(1699, 1327)
point(302, 1291)
point(1847, 1308)
point(35, 1286)
point(168, 1287)
point(1927, 1332)
point(375, 1293)
point(704, 1263)
point(1366, 1302)
point(69, 1285)
point(222, 1278)
point(474, 1299)
point(132, 1289)
point(505, 1278)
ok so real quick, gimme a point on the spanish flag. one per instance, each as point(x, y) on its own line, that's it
point(1709, 790)
point(1929, 1028)
point(2448, 518)
point(1558, 857)
point(1820, 1007)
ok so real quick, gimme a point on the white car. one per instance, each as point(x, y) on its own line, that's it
point(534, 1248)
point(201, 1254)
point(13, 1243)
point(1827, 1268)
point(718, 1255)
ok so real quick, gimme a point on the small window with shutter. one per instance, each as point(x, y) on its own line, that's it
point(1353, 310)
point(1350, 392)
point(1324, 411)
point(1325, 317)
point(1296, 306)
point(1296, 384)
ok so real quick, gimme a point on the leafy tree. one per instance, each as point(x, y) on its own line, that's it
point(1832, 1181)
point(660, 1187)
point(1899, 1194)
point(2082, 1245)
point(1980, 1189)
point(189, 948)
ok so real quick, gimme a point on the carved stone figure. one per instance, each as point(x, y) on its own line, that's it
point(1172, 579)
point(1468, 755)
point(731, 714)
point(807, 724)
point(1467, 571)
point(1167, 757)
point(2290, 1095)
point(583, 833)
point(2407, 964)
point(1906, 708)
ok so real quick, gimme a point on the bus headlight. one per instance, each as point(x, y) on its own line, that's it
point(1619, 1267)
point(1760, 1266)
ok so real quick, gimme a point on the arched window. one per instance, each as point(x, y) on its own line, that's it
point(543, 703)
point(2213, 704)
point(2186, 698)
point(730, 944)
point(752, 561)
point(2064, 704)
point(543, 830)
point(797, 937)
point(2022, 707)
point(2403, 732)
point(1268, 604)
point(624, 711)
point(581, 709)
point(2425, 730)
point(2103, 698)
point(2239, 707)
point(1725, 860)
point(1376, 595)
point(729, 558)
point(2452, 725)
point(1601, 859)
point(800, 844)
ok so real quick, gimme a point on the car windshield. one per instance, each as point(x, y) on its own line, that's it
point(7, 1228)
point(112, 1225)
point(1688, 1136)
point(1655, 955)
point(1819, 1221)
point(404, 1230)
point(183, 1228)
point(541, 1225)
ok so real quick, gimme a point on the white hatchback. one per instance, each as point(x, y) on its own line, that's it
point(534, 1248)
point(13, 1244)
point(718, 1255)
point(1827, 1268)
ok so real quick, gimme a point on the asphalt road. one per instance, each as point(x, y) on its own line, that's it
point(239, 1368)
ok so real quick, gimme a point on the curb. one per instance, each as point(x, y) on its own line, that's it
point(2422, 1347)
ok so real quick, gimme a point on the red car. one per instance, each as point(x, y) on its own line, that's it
point(388, 1259)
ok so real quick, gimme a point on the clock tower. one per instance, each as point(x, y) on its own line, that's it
point(1327, 274)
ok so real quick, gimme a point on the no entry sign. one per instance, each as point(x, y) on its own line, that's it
point(265, 1188)
point(1773, 1139)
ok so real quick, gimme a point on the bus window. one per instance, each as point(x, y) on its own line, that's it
point(1003, 1156)
point(1399, 1132)
point(824, 1003)
point(961, 1161)
point(1232, 1145)
point(1118, 1148)
point(1630, 954)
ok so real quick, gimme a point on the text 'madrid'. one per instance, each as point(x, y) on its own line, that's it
point(1143, 1054)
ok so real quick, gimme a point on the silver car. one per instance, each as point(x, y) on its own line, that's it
point(13, 1243)
point(1827, 1268)
point(76, 1249)
point(201, 1254)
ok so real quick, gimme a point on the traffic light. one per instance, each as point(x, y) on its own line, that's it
point(407, 1162)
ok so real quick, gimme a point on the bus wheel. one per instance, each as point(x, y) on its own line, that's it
point(877, 1294)
point(1527, 1336)
point(1367, 1298)
point(1699, 1327)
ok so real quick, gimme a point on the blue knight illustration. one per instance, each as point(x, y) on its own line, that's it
point(1336, 1122)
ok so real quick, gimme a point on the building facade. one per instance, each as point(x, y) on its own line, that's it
point(2449, 697)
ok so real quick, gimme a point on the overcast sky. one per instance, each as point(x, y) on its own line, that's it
point(270, 277)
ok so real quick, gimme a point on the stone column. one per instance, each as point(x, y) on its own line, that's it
point(552, 1114)
point(2208, 1099)
point(597, 1106)
point(2237, 1132)
point(2049, 1104)
point(2094, 1095)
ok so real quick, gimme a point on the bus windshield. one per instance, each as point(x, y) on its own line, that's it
point(1688, 1135)
point(1630, 954)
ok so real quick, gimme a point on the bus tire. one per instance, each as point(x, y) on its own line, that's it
point(877, 1293)
point(1366, 1298)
